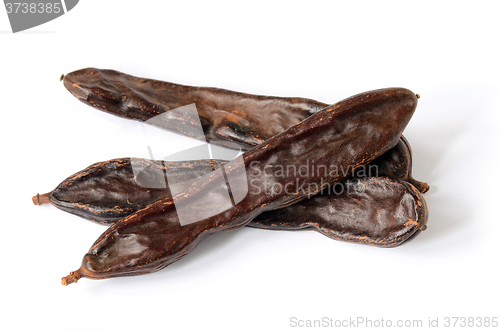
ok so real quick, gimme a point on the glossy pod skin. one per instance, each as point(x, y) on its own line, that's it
point(376, 211)
point(230, 119)
point(107, 191)
point(346, 135)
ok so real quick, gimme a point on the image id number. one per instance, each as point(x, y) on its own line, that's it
point(32, 8)
point(471, 322)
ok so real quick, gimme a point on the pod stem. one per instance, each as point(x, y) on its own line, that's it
point(40, 199)
point(424, 187)
point(73, 277)
point(421, 186)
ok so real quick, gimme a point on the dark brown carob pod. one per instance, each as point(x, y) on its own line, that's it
point(230, 119)
point(376, 211)
point(107, 191)
point(344, 136)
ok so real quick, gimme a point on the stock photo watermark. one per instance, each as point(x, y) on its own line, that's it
point(368, 322)
point(272, 173)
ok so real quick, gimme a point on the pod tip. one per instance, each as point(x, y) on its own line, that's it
point(418, 96)
point(423, 227)
point(62, 77)
point(73, 277)
point(424, 187)
point(40, 199)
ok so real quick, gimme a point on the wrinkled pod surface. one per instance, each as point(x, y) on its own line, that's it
point(376, 211)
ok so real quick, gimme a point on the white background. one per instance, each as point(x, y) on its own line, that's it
point(253, 279)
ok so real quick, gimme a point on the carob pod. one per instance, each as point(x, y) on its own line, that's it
point(230, 119)
point(376, 211)
point(107, 191)
point(344, 136)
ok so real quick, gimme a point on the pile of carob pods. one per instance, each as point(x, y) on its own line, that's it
point(343, 170)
